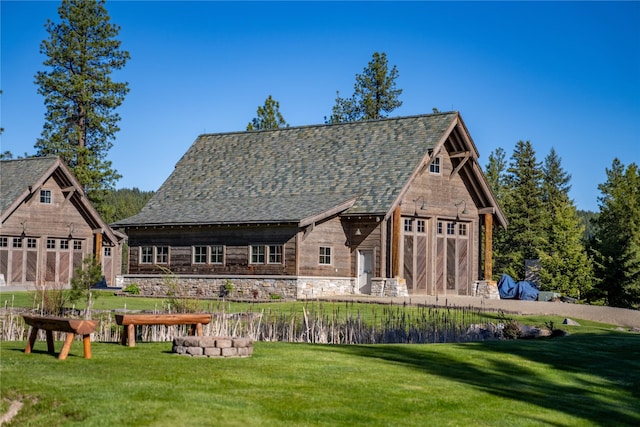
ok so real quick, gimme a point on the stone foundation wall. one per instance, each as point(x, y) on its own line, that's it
point(213, 346)
point(383, 287)
point(260, 287)
point(485, 289)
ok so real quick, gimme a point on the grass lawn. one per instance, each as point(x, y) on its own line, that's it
point(587, 378)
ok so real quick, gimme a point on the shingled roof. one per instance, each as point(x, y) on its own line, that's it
point(17, 175)
point(291, 175)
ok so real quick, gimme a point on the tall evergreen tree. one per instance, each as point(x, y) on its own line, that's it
point(524, 210)
point(268, 116)
point(565, 266)
point(617, 236)
point(496, 174)
point(375, 93)
point(80, 96)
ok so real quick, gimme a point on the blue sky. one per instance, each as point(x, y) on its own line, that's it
point(559, 74)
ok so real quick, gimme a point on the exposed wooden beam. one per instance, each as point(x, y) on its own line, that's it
point(396, 235)
point(488, 247)
point(465, 156)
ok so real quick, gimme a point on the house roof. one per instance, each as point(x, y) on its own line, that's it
point(17, 175)
point(292, 175)
point(21, 178)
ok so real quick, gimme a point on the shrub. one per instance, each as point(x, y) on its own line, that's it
point(132, 289)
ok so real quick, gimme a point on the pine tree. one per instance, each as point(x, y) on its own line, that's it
point(496, 174)
point(269, 116)
point(565, 266)
point(617, 236)
point(80, 96)
point(375, 94)
point(524, 209)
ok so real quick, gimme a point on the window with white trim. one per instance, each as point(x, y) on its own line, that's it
point(45, 196)
point(462, 229)
point(4, 242)
point(434, 167)
point(439, 228)
point(199, 254)
point(162, 254)
point(217, 254)
point(106, 251)
point(17, 242)
point(451, 228)
point(408, 224)
point(420, 226)
point(275, 254)
point(257, 254)
point(51, 243)
point(146, 255)
point(32, 243)
point(77, 245)
point(64, 244)
point(325, 255)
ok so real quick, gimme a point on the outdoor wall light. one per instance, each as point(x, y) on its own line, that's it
point(423, 206)
point(464, 209)
point(71, 229)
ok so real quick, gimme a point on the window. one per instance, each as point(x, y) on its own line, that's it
point(4, 242)
point(408, 224)
point(257, 254)
point(32, 243)
point(45, 196)
point(51, 243)
point(439, 227)
point(434, 167)
point(275, 254)
point(325, 255)
point(107, 251)
point(77, 245)
point(199, 254)
point(162, 254)
point(462, 229)
point(451, 228)
point(217, 254)
point(146, 255)
point(17, 242)
point(420, 226)
point(64, 244)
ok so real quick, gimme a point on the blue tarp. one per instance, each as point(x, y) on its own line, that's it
point(523, 290)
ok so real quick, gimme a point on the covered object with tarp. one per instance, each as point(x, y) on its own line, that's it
point(522, 290)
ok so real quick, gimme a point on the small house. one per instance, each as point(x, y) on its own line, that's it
point(49, 226)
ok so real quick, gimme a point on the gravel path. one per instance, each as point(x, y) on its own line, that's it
point(611, 315)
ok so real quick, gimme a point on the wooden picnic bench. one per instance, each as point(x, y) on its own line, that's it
point(130, 321)
point(60, 324)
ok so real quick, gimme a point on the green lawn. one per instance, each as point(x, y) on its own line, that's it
point(588, 378)
point(591, 377)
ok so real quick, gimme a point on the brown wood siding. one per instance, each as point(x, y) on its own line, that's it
point(63, 273)
point(50, 273)
point(4, 260)
point(408, 262)
point(451, 264)
point(32, 266)
point(332, 233)
point(235, 240)
point(421, 263)
point(16, 266)
point(463, 266)
point(440, 257)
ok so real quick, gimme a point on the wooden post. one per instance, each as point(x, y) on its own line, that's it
point(97, 239)
point(32, 340)
point(488, 247)
point(50, 347)
point(396, 235)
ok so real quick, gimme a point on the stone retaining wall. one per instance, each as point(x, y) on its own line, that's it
point(213, 346)
point(257, 287)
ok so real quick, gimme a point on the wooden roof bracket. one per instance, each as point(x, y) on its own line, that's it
point(308, 230)
point(465, 156)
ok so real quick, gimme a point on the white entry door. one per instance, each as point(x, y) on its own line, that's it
point(365, 271)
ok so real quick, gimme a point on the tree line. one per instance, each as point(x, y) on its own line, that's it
point(594, 257)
